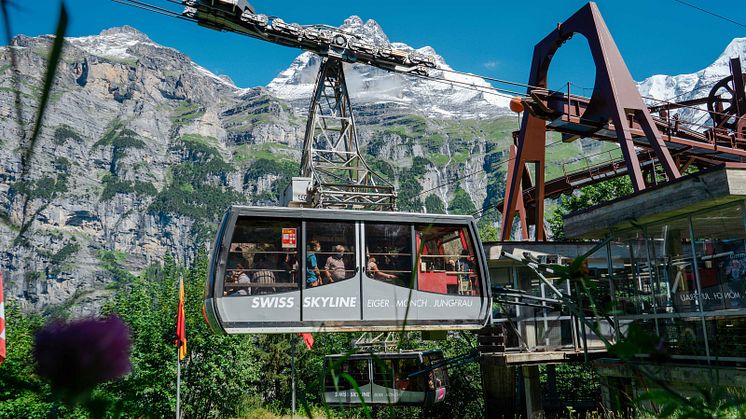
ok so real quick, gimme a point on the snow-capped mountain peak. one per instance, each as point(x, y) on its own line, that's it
point(693, 85)
point(371, 86)
point(369, 31)
point(112, 43)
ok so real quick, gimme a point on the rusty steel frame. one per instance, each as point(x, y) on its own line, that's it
point(615, 99)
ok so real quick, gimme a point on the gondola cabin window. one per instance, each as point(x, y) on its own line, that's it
point(403, 368)
point(262, 258)
point(330, 252)
point(354, 369)
point(383, 372)
point(388, 253)
point(446, 260)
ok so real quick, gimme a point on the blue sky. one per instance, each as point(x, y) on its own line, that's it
point(493, 38)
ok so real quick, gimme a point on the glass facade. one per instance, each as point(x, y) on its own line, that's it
point(684, 279)
point(681, 278)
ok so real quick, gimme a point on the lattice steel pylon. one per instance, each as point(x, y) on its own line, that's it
point(339, 176)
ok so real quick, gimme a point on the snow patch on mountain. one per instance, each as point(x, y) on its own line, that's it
point(113, 43)
point(117, 44)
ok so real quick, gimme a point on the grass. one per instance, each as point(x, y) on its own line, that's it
point(186, 113)
point(438, 160)
point(267, 151)
point(192, 140)
point(128, 61)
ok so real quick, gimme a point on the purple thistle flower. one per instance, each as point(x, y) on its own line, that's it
point(76, 356)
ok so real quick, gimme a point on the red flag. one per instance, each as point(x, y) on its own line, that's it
point(308, 339)
point(2, 322)
point(181, 340)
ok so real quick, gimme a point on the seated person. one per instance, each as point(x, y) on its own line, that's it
point(376, 273)
point(263, 276)
point(289, 264)
point(238, 276)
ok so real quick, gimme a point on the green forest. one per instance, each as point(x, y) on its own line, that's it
point(222, 376)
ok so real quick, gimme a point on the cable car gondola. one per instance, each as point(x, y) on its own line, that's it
point(288, 270)
point(385, 378)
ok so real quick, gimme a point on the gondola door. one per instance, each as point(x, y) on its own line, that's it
point(332, 273)
point(388, 279)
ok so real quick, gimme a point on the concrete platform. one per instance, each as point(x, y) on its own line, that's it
point(688, 194)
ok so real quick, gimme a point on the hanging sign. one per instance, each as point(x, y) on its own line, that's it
point(289, 238)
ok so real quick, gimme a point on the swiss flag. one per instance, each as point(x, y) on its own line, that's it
point(308, 339)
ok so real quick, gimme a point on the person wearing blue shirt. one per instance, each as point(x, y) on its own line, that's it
point(313, 274)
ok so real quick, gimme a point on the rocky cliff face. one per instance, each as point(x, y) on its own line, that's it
point(142, 150)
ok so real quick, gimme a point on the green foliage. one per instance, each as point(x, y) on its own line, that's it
point(439, 160)
point(283, 169)
point(487, 229)
point(22, 392)
point(68, 250)
point(111, 260)
point(709, 402)
point(64, 133)
point(190, 191)
point(461, 203)
point(586, 197)
point(267, 151)
point(383, 168)
point(408, 199)
point(45, 188)
point(114, 185)
point(198, 147)
point(434, 205)
point(419, 166)
point(120, 138)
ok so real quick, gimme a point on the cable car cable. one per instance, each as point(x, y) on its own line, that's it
point(710, 13)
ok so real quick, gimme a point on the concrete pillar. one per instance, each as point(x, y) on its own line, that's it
point(499, 388)
point(532, 389)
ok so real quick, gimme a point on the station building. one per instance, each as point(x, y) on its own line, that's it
point(671, 259)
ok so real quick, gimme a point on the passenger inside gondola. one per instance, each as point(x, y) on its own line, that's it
point(375, 273)
point(389, 253)
point(263, 277)
point(331, 250)
point(238, 278)
point(289, 268)
point(313, 273)
point(404, 368)
point(334, 269)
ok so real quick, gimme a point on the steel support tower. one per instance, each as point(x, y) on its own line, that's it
point(339, 176)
